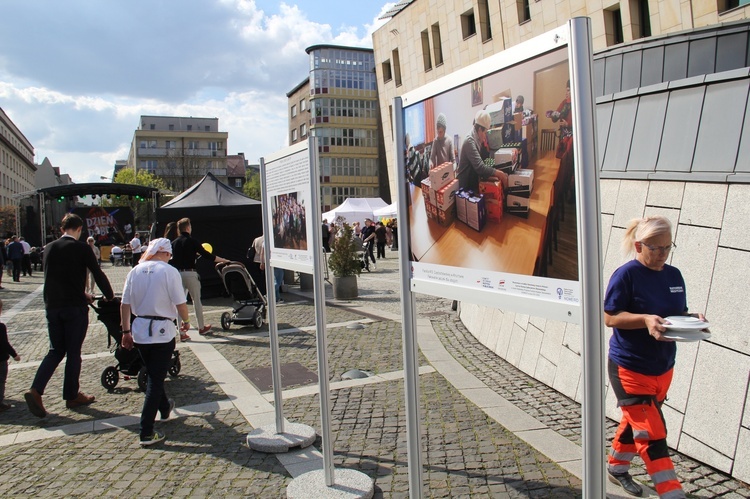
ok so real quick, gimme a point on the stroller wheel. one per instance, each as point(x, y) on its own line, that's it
point(110, 377)
point(226, 321)
point(142, 378)
point(175, 367)
point(257, 319)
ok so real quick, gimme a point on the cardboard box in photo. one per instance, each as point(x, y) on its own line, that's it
point(441, 175)
point(521, 181)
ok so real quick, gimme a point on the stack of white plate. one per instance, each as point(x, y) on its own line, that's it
point(686, 328)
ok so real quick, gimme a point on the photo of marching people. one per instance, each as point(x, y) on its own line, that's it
point(288, 214)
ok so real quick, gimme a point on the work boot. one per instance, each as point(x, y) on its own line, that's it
point(627, 483)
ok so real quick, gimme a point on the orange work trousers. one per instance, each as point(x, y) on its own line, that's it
point(642, 429)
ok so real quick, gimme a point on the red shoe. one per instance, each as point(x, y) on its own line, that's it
point(184, 337)
point(205, 330)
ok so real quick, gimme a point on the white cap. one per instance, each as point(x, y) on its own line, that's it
point(156, 245)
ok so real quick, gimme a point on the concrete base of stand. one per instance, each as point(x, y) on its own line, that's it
point(265, 438)
point(347, 484)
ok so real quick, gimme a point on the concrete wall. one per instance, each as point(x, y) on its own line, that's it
point(708, 409)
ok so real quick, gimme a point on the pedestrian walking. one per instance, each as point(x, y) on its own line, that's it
point(154, 294)
point(380, 239)
point(90, 282)
point(137, 248)
point(258, 271)
point(26, 259)
point(640, 295)
point(368, 238)
point(66, 302)
point(15, 254)
point(185, 250)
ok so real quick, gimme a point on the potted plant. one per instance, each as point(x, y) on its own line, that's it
point(344, 265)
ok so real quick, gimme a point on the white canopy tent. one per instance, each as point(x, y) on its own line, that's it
point(389, 211)
point(355, 210)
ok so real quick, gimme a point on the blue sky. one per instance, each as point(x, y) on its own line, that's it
point(76, 75)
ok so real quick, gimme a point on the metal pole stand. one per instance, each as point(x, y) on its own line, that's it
point(349, 484)
point(295, 435)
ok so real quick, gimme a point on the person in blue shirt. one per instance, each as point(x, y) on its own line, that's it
point(640, 294)
point(15, 255)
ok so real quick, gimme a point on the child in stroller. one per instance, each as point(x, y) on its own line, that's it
point(129, 362)
point(243, 290)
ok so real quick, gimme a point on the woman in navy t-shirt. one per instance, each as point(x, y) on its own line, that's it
point(641, 293)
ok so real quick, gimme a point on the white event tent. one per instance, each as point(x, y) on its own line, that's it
point(355, 210)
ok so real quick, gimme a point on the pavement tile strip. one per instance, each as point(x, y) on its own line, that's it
point(478, 442)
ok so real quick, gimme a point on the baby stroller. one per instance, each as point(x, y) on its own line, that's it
point(129, 362)
point(244, 291)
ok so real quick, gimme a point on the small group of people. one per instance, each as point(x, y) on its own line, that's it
point(17, 256)
point(373, 236)
point(289, 229)
point(126, 254)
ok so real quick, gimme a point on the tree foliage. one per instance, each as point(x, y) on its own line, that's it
point(252, 185)
point(7, 220)
point(141, 177)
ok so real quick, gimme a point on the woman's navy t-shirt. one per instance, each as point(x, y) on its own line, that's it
point(637, 289)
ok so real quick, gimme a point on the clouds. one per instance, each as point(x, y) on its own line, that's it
point(77, 83)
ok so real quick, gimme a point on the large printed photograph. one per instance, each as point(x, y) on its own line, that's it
point(289, 220)
point(490, 169)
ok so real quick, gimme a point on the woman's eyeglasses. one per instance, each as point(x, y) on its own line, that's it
point(660, 249)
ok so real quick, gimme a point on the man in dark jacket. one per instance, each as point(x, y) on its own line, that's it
point(185, 250)
point(66, 302)
point(15, 255)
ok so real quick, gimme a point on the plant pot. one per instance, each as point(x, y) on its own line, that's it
point(344, 288)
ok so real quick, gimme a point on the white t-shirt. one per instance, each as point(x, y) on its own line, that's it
point(135, 243)
point(153, 288)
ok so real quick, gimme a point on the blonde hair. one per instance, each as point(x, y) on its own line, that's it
point(640, 229)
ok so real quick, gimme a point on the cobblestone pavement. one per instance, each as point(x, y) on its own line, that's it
point(93, 451)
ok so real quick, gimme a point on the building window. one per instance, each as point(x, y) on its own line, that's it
point(396, 67)
point(524, 12)
point(639, 11)
point(725, 5)
point(152, 126)
point(303, 130)
point(484, 20)
point(193, 145)
point(190, 128)
point(171, 127)
point(387, 75)
point(294, 110)
point(238, 182)
point(437, 46)
point(468, 24)
point(152, 144)
point(294, 135)
point(426, 58)
point(613, 25)
point(171, 144)
point(302, 105)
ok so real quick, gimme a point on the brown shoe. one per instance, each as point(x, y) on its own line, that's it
point(81, 399)
point(34, 401)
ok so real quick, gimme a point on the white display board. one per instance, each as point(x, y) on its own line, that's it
point(288, 202)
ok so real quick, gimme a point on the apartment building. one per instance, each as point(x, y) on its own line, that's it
point(17, 168)
point(181, 150)
point(342, 111)
point(299, 111)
